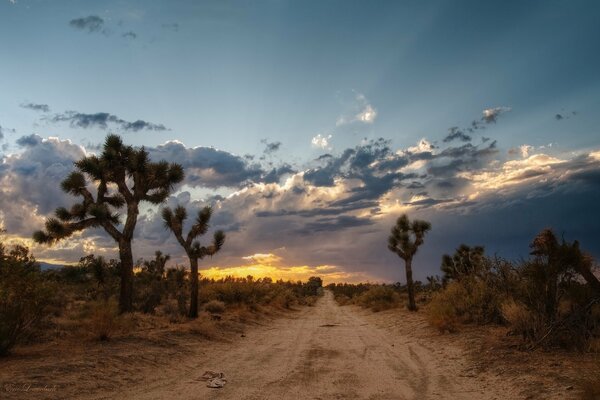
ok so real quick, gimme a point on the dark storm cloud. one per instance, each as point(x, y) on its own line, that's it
point(207, 166)
point(36, 107)
point(29, 141)
point(455, 133)
point(102, 120)
point(334, 224)
point(31, 179)
point(91, 23)
point(275, 174)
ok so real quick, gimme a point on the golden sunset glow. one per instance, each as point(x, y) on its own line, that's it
point(271, 265)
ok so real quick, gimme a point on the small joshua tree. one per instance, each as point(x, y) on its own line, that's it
point(174, 220)
point(405, 239)
point(123, 177)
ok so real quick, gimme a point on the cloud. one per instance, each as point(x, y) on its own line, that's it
point(340, 206)
point(455, 133)
point(30, 181)
point(29, 141)
point(172, 27)
point(102, 120)
point(561, 116)
point(129, 35)
point(367, 115)
point(360, 111)
point(36, 107)
point(490, 115)
point(91, 23)
point(270, 147)
point(210, 167)
point(321, 141)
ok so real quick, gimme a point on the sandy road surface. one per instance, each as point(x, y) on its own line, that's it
point(325, 352)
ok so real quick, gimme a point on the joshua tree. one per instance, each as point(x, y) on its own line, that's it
point(174, 220)
point(405, 239)
point(466, 261)
point(123, 177)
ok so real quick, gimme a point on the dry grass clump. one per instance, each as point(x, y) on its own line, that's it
point(103, 319)
point(215, 307)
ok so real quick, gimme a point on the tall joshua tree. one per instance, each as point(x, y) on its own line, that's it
point(174, 220)
point(405, 239)
point(122, 177)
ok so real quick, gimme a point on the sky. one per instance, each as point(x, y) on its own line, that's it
point(311, 126)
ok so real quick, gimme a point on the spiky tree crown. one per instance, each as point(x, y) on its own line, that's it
point(466, 261)
point(407, 236)
point(123, 175)
point(174, 220)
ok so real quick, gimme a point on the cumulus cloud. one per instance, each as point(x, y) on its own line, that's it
point(210, 167)
point(91, 23)
point(36, 107)
point(321, 141)
point(341, 206)
point(102, 120)
point(30, 181)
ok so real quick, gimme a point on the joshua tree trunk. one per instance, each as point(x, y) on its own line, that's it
point(409, 283)
point(126, 295)
point(194, 288)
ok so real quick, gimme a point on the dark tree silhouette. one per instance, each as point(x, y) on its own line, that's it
point(557, 260)
point(466, 261)
point(123, 177)
point(174, 220)
point(405, 239)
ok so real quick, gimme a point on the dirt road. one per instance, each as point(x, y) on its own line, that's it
point(325, 352)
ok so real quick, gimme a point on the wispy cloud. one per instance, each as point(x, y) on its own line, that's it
point(102, 120)
point(36, 107)
point(490, 115)
point(129, 35)
point(455, 133)
point(172, 26)
point(91, 23)
point(360, 111)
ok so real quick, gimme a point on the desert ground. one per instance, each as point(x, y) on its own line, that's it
point(320, 352)
point(325, 352)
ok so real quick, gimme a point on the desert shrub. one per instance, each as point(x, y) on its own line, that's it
point(379, 298)
point(151, 285)
point(215, 307)
point(103, 319)
point(468, 301)
point(522, 321)
point(26, 299)
point(345, 292)
point(447, 307)
point(252, 292)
